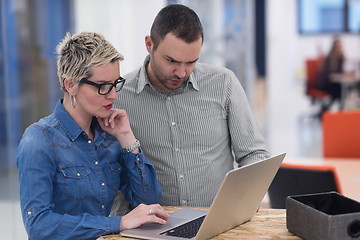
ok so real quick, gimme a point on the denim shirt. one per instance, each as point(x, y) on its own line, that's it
point(68, 182)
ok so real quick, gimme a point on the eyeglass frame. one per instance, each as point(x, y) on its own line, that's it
point(120, 80)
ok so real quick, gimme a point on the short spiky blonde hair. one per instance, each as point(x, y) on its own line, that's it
point(79, 53)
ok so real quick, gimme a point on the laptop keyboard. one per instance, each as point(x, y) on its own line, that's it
point(186, 230)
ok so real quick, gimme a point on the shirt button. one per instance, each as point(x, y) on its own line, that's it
point(96, 163)
point(177, 149)
point(169, 98)
point(173, 123)
point(102, 206)
point(102, 184)
point(137, 159)
point(89, 141)
point(181, 176)
point(29, 213)
point(78, 174)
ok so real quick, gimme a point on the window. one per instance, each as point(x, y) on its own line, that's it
point(328, 16)
point(354, 16)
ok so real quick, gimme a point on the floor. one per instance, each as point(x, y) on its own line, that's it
point(296, 133)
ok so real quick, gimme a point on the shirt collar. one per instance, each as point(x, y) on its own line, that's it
point(71, 128)
point(144, 79)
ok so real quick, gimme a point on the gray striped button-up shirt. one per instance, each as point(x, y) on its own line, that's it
point(194, 134)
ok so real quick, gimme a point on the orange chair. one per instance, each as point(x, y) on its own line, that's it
point(341, 134)
point(296, 179)
point(312, 73)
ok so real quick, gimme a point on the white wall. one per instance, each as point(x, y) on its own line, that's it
point(124, 23)
point(281, 58)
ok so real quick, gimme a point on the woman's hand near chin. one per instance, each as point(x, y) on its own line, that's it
point(118, 125)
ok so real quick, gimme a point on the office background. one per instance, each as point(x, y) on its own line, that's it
point(264, 42)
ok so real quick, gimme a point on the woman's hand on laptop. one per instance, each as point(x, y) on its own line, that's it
point(143, 214)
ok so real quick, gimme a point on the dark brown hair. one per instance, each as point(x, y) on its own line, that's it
point(178, 19)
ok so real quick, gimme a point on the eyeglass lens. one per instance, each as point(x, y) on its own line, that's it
point(107, 87)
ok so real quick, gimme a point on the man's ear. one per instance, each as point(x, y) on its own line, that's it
point(70, 86)
point(149, 44)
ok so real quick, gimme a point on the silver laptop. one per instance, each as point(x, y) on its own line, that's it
point(235, 203)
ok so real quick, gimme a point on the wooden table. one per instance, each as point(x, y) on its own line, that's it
point(266, 224)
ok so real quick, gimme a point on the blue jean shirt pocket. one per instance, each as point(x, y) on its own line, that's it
point(77, 182)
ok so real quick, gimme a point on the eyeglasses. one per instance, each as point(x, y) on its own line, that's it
point(105, 88)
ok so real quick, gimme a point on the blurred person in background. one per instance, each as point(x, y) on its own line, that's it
point(73, 162)
point(332, 64)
